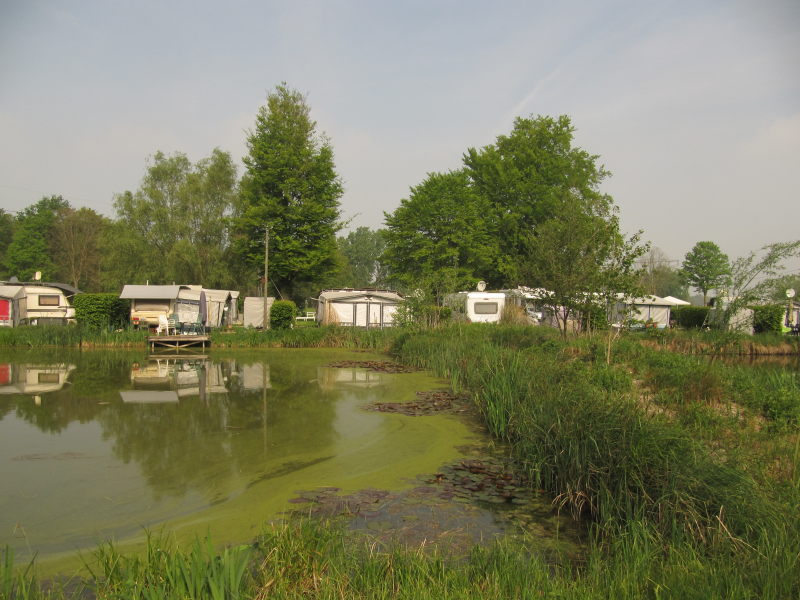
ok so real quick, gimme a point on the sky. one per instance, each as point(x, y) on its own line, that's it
point(694, 107)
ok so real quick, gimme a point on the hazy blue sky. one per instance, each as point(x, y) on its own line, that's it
point(694, 106)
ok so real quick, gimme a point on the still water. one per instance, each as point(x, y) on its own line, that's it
point(98, 445)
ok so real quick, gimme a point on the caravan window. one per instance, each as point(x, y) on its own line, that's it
point(47, 377)
point(49, 300)
point(485, 308)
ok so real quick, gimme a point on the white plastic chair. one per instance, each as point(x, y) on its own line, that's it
point(163, 325)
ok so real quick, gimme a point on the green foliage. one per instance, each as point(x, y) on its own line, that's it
point(362, 250)
point(419, 310)
point(753, 278)
point(768, 318)
point(442, 234)
point(292, 188)
point(282, 314)
point(175, 227)
point(706, 267)
point(164, 570)
point(582, 260)
point(30, 249)
point(101, 311)
point(690, 317)
point(40, 336)
point(579, 435)
point(527, 177)
point(594, 317)
point(780, 285)
point(76, 243)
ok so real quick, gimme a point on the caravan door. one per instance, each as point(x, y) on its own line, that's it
point(5, 312)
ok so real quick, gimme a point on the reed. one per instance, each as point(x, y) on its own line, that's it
point(67, 336)
point(312, 559)
point(575, 427)
point(306, 337)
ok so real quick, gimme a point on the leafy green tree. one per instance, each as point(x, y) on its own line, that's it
point(581, 260)
point(783, 283)
point(75, 241)
point(441, 235)
point(753, 279)
point(30, 250)
point(706, 267)
point(290, 187)
point(526, 177)
point(176, 226)
point(362, 249)
point(127, 257)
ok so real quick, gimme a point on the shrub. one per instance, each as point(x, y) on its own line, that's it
point(690, 317)
point(282, 313)
point(98, 311)
point(768, 318)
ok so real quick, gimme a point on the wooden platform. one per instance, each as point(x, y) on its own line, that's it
point(178, 341)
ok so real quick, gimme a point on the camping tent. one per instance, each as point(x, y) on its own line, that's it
point(13, 304)
point(357, 308)
point(650, 309)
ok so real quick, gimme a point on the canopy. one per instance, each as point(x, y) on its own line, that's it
point(151, 292)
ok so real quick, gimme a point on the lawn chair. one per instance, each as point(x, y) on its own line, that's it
point(163, 325)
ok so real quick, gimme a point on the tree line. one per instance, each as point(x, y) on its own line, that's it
point(524, 210)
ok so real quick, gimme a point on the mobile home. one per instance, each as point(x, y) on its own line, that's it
point(357, 308)
point(149, 302)
point(485, 307)
point(36, 303)
point(48, 303)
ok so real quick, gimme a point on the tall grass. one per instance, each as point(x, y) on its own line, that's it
point(69, 336)
point(575, 427)
point(307, 337)
point(312, 559)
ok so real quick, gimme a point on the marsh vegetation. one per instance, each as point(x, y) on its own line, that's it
point(683, 470)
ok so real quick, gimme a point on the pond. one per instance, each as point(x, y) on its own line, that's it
point(101, 445)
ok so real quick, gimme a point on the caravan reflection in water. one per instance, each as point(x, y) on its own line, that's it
point(197, 445)
point(166, 379)
point(33, 379)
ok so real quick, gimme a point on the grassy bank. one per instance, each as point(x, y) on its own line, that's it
point(70, 336)
point(693, 342)
point(686, 470)
point(302, 337)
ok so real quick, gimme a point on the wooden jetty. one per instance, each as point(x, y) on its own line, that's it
point(178, 341)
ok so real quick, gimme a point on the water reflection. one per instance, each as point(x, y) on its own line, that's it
point(165, 379)
point(120, 442)
point(33, 379)
point(331, 377)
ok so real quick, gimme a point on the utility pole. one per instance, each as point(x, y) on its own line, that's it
point(266, 276)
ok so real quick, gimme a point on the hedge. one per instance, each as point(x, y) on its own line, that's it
point(282, 313)
point(100, 311)
point(768, 318)
point(690, 317)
